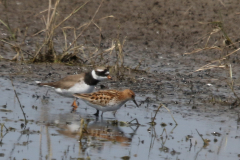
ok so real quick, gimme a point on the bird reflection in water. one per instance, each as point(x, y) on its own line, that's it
point(96, 133)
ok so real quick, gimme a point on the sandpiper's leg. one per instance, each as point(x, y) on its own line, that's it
point(102, 114)
point(97, 113)
point(114, 113)
point(74, 105)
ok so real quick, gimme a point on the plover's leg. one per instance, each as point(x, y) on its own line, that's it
point(97, 113)
point(74, 105)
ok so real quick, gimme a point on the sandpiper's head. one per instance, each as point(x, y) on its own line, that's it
point(130, 95)
point(101, 73)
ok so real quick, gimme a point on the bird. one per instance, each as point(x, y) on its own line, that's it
point(107, 100)
point(79, 83)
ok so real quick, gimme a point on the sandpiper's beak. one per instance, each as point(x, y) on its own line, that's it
point(109, 77)
point(135, 102)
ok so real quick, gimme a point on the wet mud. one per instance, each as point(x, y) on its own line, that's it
point(157, 34)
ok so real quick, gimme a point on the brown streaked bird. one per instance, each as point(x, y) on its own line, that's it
point(107, 100)
point(100, 130)
point(79, 83)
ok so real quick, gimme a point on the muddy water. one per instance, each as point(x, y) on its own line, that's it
point(52, 132)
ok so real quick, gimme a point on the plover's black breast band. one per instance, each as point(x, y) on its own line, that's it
point(88, 79)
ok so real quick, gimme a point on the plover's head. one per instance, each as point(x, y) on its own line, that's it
point(101, 73)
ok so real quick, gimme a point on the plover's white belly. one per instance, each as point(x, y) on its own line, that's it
point(77, 88)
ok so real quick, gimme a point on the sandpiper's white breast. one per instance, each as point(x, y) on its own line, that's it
point(111, 106)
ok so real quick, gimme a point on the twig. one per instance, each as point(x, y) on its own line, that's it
point(105, 51)
point(2, 124)
point(133, 120)
point(163, 132)
point(15, 46)
point(156, 114)
point(74, 41)
point(20, 105)
point(205, 141)
point(205, 48)
point(153, 137)
point(170, 113)
point(75, 11)
point(2, 136)
point(50, 22)
point(190, 144)
point(200, 135)
point(40, 48)
point(232, 83)
point(81, 130)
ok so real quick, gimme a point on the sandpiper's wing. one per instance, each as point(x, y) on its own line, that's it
point(101, 98)
point(66, 82)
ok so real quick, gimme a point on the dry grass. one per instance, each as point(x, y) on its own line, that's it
point(10, 30)
point(222, 47)
point(77, 48)
point(51, 25)
point(225, 48)
point(73, 50)
point(70, 51)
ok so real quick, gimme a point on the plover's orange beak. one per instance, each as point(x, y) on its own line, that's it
point(109, 77)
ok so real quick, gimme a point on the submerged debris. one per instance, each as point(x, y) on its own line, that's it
point(164, 149)
point(216, 134)
point(5, 110)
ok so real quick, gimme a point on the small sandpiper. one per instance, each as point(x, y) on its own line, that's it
point(79, 83)
point(107, 100)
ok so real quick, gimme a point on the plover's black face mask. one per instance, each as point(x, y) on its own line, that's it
point(97, 75)
point(102, 73)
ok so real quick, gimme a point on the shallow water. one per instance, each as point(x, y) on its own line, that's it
point(52, 132)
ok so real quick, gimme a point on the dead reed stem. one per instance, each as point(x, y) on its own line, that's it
point(199, 135)
point(133, 120)
point(3, 125)
point(51, 25)
point(88, 24)
point(156, 114)
point(205, 141)
point(81, 130)
point(74, 11)
point(20, 105)
point(163, 132)
point(170, 113)
point(231, 84)
point(209, 65)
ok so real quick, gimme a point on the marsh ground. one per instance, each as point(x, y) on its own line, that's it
point(157, 34)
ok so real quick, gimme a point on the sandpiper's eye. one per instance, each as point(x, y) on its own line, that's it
point(133, 96)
